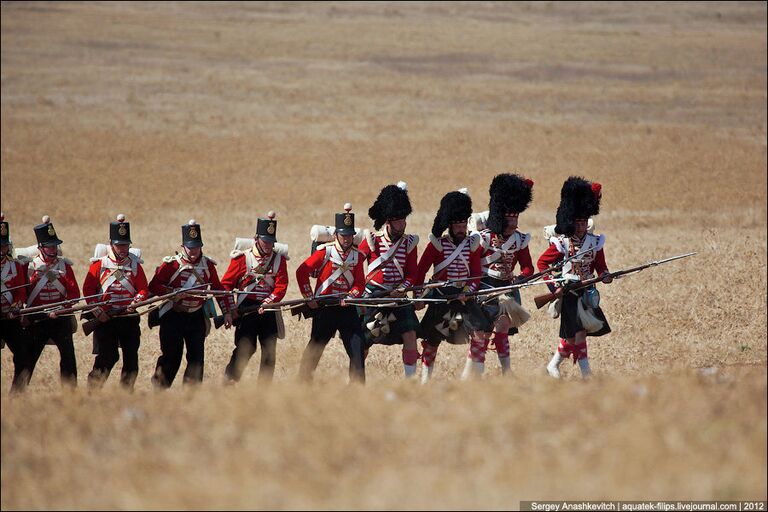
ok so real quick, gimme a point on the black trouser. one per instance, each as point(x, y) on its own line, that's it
point(15, 336)
point(176, 329)
point(253, 327)
point(60, 331)
point(325, 323)
point(123, 332)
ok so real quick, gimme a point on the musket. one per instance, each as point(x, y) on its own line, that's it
point(214, 293)
point(498, 290)
point(90, 325)
point(363, 301)
point(399, 301)
point(375, 299)
point(82, 307)
point(222, 293)
point(15, 287)
point(294, 305)
point(305, 300)
point(55, 305)
point(543, 300)
point(421, 287)
point(389, 302)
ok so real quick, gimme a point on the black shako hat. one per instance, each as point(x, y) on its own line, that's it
point(120, 231)
point(454, 207)
point(266, 229)
point(46, 233)
point(509, 193)
point(190, 234)
point(579, 199)
point(392, 203)
point(345, 222)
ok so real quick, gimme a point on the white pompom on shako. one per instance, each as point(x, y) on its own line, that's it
point(402, 185)
point(270, 214)
point(464, 191)
point(192, 222)
point(2, 216)
point(120, 217)
point(347, 207)
point(46, 219)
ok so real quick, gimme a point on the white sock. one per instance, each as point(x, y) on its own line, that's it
point(586, 371)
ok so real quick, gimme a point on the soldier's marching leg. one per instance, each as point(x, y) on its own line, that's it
point(428, 356)
point(323, 329)
point(171, 350)
point(410, 353)
point(130, 341)
point(501, 341)
point(268, 358)
point(19, 344)
point(67, 363)
point(195, 341)
point(36, 346)
point(580, 350)
point(245, 347)
point(310, 358)
point(108, 355)
point(475, 366)
point(354, 340)
point(561, 354)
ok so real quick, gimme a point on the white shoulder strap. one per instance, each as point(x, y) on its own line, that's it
point(58, 270)
point(370, 239)
point(456, 253)
point(413, 241)
point(475, 240)
point(436, 242)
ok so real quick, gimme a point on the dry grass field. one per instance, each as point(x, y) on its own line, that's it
point(220, 112)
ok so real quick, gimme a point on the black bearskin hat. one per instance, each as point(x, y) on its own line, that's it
point(454, 207)
point(509, 193)
point(392, 203)
point(579, 199)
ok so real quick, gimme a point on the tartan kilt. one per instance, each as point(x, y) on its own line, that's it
point(405, 320)
point(570, 323)
point(473, 319)
point(491, 307)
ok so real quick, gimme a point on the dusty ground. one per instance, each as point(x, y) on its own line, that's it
point(223, 111)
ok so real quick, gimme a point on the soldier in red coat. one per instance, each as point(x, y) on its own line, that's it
point(505, 247)
point(340, 267)
point(183, 320)
point(263, 273)
point(455, 256)
point(579, 310)
point(392, 267)
point(52, 280)
point(117, 276)
point(13, 296)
